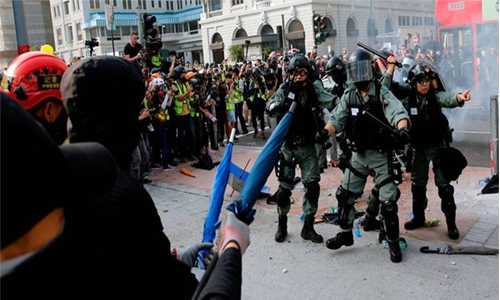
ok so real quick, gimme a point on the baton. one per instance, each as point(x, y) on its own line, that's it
point(378, 53)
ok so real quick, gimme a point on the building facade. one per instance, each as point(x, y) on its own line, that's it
point(38, 24)
point(256, 25)
point(203, 30)
point(77, 21)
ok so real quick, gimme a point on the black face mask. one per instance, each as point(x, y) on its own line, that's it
point(57, 129)
point(182, 79)
point(362, 85)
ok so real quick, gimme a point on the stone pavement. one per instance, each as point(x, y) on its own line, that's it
point(297, 269)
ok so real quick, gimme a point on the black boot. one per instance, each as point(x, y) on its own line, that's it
point(282, 229)
point(370, 223)
point(308, 232)
point(341, 239)
point(418, 205)
point(395, 252)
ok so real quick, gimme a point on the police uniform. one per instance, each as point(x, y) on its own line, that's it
point(299, 149)
point(371, 144)
point(430, 134)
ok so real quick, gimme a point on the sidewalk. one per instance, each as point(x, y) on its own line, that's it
point(298, 269)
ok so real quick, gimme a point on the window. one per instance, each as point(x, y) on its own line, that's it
point(106, 2)
point(95, 4)
point(70, 34)
point(179, 4)
point(152, 3)
point(66, 8)
point(59, 36)
point(144, 6)
point(79, 32)
point(127, 4)
point(54, 12)
point(159, 3)
point(403, 20)
point(193, 27)
point(94, 32)
point(58, 10)
point(429, 21)
point(115, 3)
point(237, 2)
point(76, 5)
point(126, 30)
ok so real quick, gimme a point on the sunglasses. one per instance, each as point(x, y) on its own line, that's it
point(301, 73)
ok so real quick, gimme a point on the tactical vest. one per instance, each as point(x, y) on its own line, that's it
point(362, 131)
point(238, 94)
point(303, 128)
point(429, 124)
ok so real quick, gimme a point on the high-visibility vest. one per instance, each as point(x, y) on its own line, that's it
point(230, 101)
point(182, 88)
point(193, 111)
point(238, 94)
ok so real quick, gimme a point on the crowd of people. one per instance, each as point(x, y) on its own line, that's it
point(108, 121)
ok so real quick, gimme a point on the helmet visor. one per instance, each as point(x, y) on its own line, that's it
point(359, 71)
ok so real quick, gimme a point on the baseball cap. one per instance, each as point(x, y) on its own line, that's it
point(39, 176)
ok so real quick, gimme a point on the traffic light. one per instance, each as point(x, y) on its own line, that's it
point(320, 31)
point(149, 28)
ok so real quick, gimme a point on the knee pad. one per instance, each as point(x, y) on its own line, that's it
point(283, 196)
point(445, 192)
point(312, 192)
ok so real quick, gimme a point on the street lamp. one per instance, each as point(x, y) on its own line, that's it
point(247, 42)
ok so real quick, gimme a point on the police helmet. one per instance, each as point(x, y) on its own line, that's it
point(360, 68)
point(195, 82)
point(33, 77)
point(313, 67)
point(407, 61)
point(296, 63)
point(335, 68)
point(256, 73)
point(420, 72)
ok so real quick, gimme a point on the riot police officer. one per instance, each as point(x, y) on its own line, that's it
point(430, 134)
point(359, 113)
point(299, 147)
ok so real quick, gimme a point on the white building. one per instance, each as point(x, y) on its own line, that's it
point(373, 22)
point(204, 31)
point(76, 21)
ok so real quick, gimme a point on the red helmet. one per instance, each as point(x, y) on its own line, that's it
point(33, 77)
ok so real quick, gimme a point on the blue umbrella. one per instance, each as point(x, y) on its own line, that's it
point(218, 189)
point(263, 166)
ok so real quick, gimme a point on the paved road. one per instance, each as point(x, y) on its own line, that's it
point(302, 270)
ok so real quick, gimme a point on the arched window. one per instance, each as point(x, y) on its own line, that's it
point(388, 26)
point(351, 28)
point(371, 28)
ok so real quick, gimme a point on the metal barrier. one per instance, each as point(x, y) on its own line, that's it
point(494, 134)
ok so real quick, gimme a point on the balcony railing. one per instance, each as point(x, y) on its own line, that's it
point(262, 3)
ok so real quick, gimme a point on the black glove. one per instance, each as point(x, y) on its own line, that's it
point(403, 136)
point(322, 136)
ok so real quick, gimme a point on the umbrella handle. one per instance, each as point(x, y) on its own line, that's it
point(427, 250)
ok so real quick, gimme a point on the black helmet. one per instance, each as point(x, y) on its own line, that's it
point(420, 72)
point(297, 62)
point(360, 68)
point(313, 67)
point(194, 82)
point(331, 53)
point(335, 68)
point(248, 73)
point(178, 71)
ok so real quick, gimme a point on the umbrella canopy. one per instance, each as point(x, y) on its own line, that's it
point(263, 166)
point(218, 189)
point(481, 250)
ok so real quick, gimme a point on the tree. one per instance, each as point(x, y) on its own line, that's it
point(236, 53)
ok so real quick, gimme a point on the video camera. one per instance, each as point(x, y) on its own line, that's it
point(92, 43)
